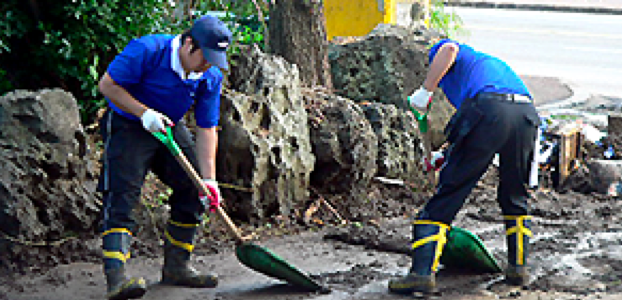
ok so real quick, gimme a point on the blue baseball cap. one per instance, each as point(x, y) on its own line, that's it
point(214, 38)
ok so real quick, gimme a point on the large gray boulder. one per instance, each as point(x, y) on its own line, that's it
point(399, 142)
point(386, 66)
point(344, 144)
point(264, 143)
point(48, 180)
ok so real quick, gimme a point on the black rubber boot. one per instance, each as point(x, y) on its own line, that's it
point(430, 239)
point(518, 231)
point(116, 244)
point(121, 288)
point(177, 249)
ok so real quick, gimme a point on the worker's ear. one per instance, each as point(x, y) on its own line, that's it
point(187, 43)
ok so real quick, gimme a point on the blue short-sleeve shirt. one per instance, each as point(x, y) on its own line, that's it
point(474, 72)
point(149, 69)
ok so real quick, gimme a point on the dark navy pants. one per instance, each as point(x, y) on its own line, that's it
point(130, 153)
point(482, 127)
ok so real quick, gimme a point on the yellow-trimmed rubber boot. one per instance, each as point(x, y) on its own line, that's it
point(177, 249)
point(116, 245)
point(429, 240)
point(518, 231)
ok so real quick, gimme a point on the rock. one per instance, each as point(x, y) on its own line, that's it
point(606, 176)
point(614, 130)
point(47, 186)
point(386, 66)
point(264, 144)
point(399, 141)
point(344, 144)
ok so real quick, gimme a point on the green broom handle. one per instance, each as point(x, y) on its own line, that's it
point(422, 120)
point(168, 140)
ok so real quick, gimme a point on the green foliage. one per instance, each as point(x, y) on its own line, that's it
point(5, 84)
point(563, 117)
point(246, 23)
point(69, 43)
point(163, 196)
point(13, 25)
point(447, 22)
point(248, 36)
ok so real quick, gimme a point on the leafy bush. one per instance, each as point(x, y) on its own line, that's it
point(447, 22)
point(246, 23)
point(69, 43)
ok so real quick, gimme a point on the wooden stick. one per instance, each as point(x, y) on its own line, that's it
point(332, 209)
point(196, 179)
point(427, 145)
point(321, 200)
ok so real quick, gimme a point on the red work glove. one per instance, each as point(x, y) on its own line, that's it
point(214, 198)
point(437, 162)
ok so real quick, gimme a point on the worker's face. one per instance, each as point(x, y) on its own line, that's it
point(193, 61)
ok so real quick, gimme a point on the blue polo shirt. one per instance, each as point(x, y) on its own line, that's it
point(150, 70)
point(474, 72)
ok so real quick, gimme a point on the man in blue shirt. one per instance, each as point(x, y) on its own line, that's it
point(495, 114)
point(150, 85)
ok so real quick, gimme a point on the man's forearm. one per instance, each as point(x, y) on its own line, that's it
point(120, 97)
point(443, 60)
point(207, 144)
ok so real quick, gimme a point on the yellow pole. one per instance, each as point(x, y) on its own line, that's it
point(389, 11)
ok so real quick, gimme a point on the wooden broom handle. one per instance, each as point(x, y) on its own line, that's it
point(196, 179)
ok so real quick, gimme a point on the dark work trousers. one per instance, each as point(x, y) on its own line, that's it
point(131, 151)
point(482, 127)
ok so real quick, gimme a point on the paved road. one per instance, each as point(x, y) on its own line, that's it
point(583, 50)
point(591, 6)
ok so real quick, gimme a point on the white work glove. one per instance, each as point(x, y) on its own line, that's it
point(154, 121)
point(420, 98)
point(214, 198)
point(438, 159)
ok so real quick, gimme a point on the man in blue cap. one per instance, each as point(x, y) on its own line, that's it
point(150, 85)
point(495, 115)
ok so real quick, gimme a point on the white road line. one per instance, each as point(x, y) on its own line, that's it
point(592, 49)
point(547, 32)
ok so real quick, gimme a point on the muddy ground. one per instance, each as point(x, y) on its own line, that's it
point(576, 250)
point(576, 253)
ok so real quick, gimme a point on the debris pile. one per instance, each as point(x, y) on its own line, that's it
point(580, 153)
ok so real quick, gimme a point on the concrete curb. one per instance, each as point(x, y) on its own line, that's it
point(538, 7)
